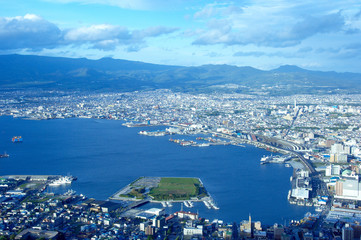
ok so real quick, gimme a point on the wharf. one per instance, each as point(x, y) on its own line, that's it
point(32, 177)
point(297, 165)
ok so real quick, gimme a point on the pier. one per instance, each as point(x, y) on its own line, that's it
point(32, 177)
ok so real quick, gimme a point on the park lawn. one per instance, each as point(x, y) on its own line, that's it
point(176, 189)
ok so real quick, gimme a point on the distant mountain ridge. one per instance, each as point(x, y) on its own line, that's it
point(107, 74)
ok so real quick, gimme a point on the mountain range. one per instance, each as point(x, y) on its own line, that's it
point(107, 74)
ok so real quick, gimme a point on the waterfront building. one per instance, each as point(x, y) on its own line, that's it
point(183, 214)
point(302, 186)
point(155, 211)
point(349, 188)
point(300, 193)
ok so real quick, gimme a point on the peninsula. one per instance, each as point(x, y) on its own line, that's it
point(162, 189)
point(165, 190)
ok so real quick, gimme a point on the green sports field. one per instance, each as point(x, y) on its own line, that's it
point(177, 189)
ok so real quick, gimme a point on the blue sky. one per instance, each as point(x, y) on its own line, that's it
point(317, 35)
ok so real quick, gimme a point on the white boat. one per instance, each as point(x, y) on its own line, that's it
point(266, 159)
point(186, 203)
point(159, 134)
point(61, 181)
point(208, 205)
point(319, 209)
point(213, 205)
point(204, 145)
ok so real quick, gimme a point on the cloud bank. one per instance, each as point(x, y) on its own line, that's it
point(29, 31)
point(264, 25)
point(33, 32)
point(133, 4)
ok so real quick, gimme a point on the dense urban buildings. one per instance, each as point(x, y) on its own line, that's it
point(319, 136)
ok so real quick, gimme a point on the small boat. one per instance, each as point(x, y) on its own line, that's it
point(5, 155)
point(17, 139)
point(266, 159)
point(203, 145)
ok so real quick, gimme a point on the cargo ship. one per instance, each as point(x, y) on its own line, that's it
point(17, 139)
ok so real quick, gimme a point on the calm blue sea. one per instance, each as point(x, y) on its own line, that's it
point(105, 156)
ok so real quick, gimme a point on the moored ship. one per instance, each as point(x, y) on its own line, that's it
point(61, 181)
point(17, 139)
point(266, 159)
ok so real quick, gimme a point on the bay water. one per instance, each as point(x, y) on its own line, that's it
point(106, 156)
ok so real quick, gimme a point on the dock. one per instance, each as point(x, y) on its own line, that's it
point(32, 177)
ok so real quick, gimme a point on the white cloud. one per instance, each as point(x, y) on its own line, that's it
point(218, 9)
point(264, 23)
point(97, 33)
point(133, 4)
point(34, 32)
point(29, 31)
point(155, 31)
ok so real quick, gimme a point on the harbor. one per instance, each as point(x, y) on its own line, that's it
point(115, 163)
